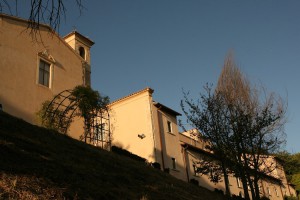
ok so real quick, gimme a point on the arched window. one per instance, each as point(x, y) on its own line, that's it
point(82, 52)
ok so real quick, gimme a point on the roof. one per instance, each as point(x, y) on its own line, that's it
point(147, 89)
point(156, 104)
point(198, 150)
point(165, 108)
point(82, 37)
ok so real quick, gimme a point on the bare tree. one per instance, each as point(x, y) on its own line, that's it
point(50, 12)
point(256, 123)
point(243, 126)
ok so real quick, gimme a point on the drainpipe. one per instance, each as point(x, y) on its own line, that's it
point(153, 129)
point(184, 161)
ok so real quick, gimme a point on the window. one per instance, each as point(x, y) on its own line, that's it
point(174, 163)
point(269, 191)
point(239, 183)
point(44, 73)
point(276, 192)
point(82, 52)
point(195, 169)
point(169, 126)
point(260, 189)
point(241, 194)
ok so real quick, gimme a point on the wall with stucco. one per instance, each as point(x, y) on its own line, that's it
point(20, 93)
point(275, 187)
point(130, 117)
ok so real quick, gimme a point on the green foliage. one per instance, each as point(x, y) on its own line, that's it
point(290, 198)
point(194, 181)
point(235, 197)
point(296, 180)
point(128, 154)
point(88, 101)
point(291, 166)
point(264, 198)
point(52, 118)
point(156, 165)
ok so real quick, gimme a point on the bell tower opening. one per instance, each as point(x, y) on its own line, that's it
point(82, 52)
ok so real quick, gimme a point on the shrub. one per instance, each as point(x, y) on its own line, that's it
point(194, 181)
point(264, 198)
point(290, 198)
point(219, 191)
point(167, 170)
point(156, 165)
point(126, 153)
point(235, 197)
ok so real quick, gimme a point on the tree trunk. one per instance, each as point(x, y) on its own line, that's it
point(256, 187)
point(226, 180)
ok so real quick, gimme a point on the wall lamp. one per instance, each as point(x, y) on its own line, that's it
point(142, 136)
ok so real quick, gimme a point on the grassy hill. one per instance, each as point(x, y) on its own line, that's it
point(36, 163)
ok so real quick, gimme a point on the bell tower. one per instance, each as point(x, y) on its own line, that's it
point(82, 46)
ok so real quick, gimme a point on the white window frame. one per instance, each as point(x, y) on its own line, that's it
point(44, 56)
point(41, 60)
point(269, 191)
point(276, 192)
point(239, 182)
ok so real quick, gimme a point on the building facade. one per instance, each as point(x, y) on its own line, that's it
point(273, 185)
point(34, 68)
point(149, 129)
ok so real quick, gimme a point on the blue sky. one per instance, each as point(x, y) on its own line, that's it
point(170, 45)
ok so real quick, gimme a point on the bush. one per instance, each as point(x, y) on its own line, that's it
point(290, 198)
point(219, 191)
point(126, 153)
point(235, 197)
point(156, 165)
point(264, 198)
point(194, 181)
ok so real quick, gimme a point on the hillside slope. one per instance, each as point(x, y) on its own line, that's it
point(36, 163)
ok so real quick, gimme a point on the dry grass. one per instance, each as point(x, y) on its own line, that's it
point(36, 163)
point(28, 188)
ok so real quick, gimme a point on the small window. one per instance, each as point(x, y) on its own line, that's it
point(44, 73)
point(169, 126)
point(269, 191)
point(260, 189)
point(174, 163)
point(82, 52)
point(276, 192)
point(195, 170)
point(239, 182)
point(241, 194)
